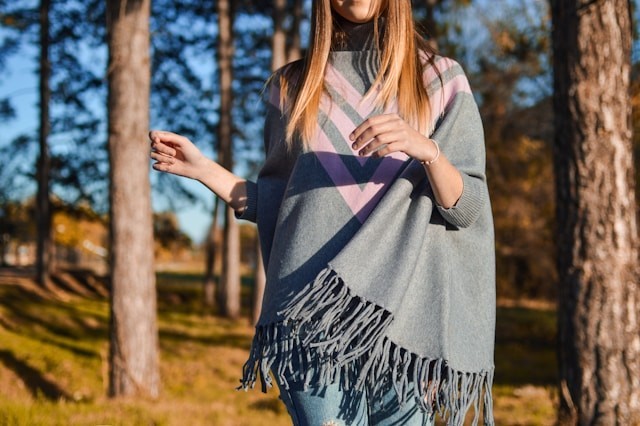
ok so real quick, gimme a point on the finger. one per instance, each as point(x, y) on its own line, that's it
point(161, 158)
point(380, 140)
point(162, 148)
point(377, 132)
point(155, 135)
point(386, 150)
point(167, 137)
point(162, 167)
point(370, 122)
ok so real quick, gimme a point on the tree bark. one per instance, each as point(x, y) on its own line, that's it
point(133, 358)
point(599, 301)
point(294, 49)
point(229, 294)
point(430, 23)
point(259, 284)
point(209, 284)
point(43, 200)
point(279, 37)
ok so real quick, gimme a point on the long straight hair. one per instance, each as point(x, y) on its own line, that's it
point(400, 76)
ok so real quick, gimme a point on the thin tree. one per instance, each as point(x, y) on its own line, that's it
point(229, 288)
point(209, 282)
point(294, 47)
point(279, 37)
point(260, 282)
point(285, 47)
point(599, 303)
point(43, 200)
point(133, 357)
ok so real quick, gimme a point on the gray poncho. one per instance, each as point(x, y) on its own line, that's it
point(368, 279)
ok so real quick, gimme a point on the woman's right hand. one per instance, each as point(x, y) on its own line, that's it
point(177, 155)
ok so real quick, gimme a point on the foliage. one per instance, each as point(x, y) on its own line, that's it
point(512, 83)
point(184, 92)
point(79, 227)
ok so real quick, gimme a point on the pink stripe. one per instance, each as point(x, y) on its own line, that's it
point(361, 202)
point(443, 65)
point(443, 97)
point(379, 184)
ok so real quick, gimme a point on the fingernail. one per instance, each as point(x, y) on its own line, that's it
point(354, 146)
point(352, 136)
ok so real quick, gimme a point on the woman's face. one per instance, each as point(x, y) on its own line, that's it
point(357, 11)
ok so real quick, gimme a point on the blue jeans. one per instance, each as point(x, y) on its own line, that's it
point(333, 406)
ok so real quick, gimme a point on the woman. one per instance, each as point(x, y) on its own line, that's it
point(375, 223)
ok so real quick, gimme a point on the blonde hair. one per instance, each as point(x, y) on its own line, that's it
point(400, 76)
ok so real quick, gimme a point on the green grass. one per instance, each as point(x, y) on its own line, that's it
point(53, 363)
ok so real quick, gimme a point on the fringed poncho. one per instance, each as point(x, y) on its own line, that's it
point(368, 279)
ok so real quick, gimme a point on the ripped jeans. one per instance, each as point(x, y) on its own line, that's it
point(333, 406)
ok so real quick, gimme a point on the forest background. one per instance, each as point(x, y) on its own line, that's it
point(504, 46)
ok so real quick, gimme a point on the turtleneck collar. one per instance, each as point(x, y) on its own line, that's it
point(352, 36)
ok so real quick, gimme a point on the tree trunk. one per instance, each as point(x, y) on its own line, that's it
point(281, 53)
point(43, 201)
point(259, 284)
point(229, 299)
point(430, 22)
point(294, 49)
point(599, 303)
point(133, 357)
point(209, 284)
point(279, 37)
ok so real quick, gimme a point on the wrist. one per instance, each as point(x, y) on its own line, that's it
point(203, 169)
point(435, 155)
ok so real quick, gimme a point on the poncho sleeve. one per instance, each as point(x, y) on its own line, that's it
point(264, 196)
point(274, 128)
point(459, 132)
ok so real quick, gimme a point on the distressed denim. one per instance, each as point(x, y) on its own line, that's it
point(333, 406)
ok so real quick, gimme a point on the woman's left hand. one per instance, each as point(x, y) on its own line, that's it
point(383, 134)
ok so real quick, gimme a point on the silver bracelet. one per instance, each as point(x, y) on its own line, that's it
point(434, 159)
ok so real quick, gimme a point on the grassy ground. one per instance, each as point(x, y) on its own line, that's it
point(53, 361)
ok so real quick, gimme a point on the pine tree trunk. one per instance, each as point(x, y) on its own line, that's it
point(294, 49)
point(230, 282)
point(229, 294)
point(209, 283)
point(43, 201)
point(430, 22)
point(259, 284)
point(599, 303)
point(133, 358)
point(279, 37)
point(281, 53)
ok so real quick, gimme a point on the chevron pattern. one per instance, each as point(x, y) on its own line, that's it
point(362, 181)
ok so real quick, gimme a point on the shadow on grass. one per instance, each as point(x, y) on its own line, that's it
point(525, 347)
point(52, 322)
point(227, 340)
point(57, 320)
point(38, 385)
point(274, 405)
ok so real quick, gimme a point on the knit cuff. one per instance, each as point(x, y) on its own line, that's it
point(251, 207)
point(468, 207)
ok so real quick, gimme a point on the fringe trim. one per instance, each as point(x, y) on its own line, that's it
point(334, 336)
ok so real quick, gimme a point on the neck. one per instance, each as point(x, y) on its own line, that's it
point(348, 35)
